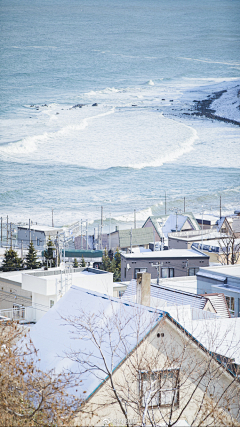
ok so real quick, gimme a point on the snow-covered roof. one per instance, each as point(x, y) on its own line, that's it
point(160, 294)
point(221, 270)
point(166, 223)
point(44, 228)
point(171, 253)
point(53, 335)
point(220, 335)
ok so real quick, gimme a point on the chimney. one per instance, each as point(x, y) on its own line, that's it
point(143, 288)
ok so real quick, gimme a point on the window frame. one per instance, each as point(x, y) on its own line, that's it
point(140, 270)
point(231, 307)
point(157, 397)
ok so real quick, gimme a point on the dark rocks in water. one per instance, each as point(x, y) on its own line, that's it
point(78, 106)
point(171, 100)
point(95, 105)
point(163, 99)
point(134, 105)
point(32, 105)
point(195, 100)
point(44, 105)
point(57, 113)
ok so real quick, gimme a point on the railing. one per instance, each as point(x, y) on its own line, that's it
point(21, 313)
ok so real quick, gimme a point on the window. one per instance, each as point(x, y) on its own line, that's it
point(193, 271)
point(230, 304)
point(167, 272)
point(51, 303)
point(139, 270)
point(160, 388)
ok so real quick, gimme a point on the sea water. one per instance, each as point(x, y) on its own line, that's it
point(143, 64)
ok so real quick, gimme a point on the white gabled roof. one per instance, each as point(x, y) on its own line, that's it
point(53, 336)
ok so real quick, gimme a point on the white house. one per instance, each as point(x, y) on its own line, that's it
point(138, 364)
point(47, 287)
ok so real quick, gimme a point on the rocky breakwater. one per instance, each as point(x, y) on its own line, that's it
point(203, 108)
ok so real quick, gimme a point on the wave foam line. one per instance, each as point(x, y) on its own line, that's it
point(30, 144)
point(208, 61)
point(186, 147)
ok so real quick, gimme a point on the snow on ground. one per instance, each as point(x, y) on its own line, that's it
point(228, 105)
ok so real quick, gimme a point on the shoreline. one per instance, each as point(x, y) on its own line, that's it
point(203, 109)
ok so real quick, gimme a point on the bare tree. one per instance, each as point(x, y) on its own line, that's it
point(229, 250)
point(152, 371)
point(28, 396)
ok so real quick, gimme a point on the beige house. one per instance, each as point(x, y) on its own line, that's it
point(138, 365)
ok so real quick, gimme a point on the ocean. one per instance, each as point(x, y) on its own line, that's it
point(145, 64)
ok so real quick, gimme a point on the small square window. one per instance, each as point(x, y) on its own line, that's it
point(160, 388)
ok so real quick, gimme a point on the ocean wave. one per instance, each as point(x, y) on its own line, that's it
point(186, 147)
point(30, 144)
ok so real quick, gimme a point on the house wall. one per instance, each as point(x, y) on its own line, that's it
point(38, 237)
point(178, 244)
point(179, 265)
point(150, 224)
point(12, 293)
point(165, 348)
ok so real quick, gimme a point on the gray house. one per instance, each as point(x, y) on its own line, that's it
point(38, 234)
point(124, 239)
point(171, 263)
point(222, 278)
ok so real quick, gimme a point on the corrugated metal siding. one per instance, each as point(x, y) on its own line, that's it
point(140, 236)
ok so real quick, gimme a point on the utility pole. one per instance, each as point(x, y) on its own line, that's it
point(131, 241)
point(7, 229)
point(101, 225)
point(158, 266)
point(177, 211)
point(81, 236)
point(29, 231)
point(165, 203)
point(11, 235)
point(110, 232)
point(135, 222)
point(99, 236)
